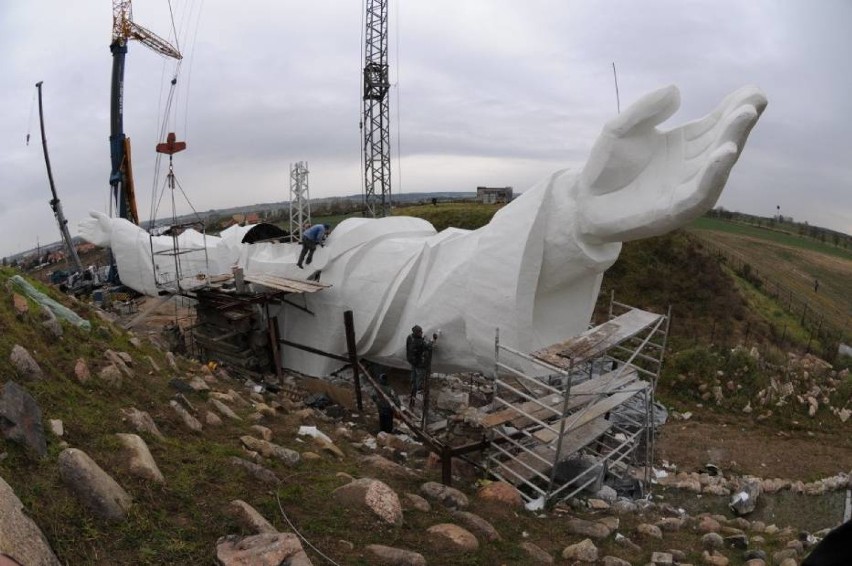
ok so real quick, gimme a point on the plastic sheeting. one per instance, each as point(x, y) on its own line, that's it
point(57, 309)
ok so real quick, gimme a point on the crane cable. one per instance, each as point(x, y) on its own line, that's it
point(169, 113)
point(30, 121)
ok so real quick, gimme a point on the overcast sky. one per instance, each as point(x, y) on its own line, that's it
point(487, 92)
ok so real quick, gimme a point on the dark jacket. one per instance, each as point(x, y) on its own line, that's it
point(418, 351)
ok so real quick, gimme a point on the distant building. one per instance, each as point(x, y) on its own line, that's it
point(494, 195)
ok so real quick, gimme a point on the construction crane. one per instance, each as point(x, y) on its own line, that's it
point(123, 195)
point(375, 122)
point(71, 251)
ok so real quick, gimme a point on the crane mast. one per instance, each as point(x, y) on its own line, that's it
point(376, 111)
point(122, 192)
point(54, 202)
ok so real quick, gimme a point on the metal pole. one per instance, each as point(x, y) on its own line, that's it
point(566, 386)
point(349, 325)
point(54, 203)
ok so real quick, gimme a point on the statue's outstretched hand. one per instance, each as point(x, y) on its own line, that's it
point(641, 182)
point(97, 229)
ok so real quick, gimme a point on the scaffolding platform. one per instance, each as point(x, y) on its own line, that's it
point(556, 404)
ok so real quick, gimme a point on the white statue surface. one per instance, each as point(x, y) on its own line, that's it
point(534, 271)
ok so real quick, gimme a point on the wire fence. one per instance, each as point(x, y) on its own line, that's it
point(823, 336)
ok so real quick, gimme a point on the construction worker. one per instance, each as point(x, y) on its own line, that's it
point(418, 352)
point(386, 410)
point(313, 236)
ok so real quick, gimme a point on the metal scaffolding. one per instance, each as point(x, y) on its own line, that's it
point(376, 111)
point(562, 421)
point(300, 200)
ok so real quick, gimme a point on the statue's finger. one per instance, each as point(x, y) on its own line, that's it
point(693, 199)
point(647, 112)
point(745, 96)
point(738, 125)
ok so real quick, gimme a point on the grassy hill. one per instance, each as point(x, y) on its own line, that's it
point(180, 521)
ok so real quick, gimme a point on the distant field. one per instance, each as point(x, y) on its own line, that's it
point(794, 262)
point(769, 234)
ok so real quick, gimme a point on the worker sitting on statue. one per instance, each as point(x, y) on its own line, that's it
point(313, 236)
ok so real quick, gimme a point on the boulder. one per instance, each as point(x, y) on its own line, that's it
point(268, 549)
point(224, 410)
point(119, 362)
point(198, 384)
point(93, 486)
point(586, 528)
point(263, 432)
point(81, 371)
point(536, 553)
point(503, 493)
point(614, 561)
point(20, 304)
point(745, 499)
point(670, 524)
point(709, 525)
point(249, 518)
point(140, 461)
point(212, 419)
point(712, 541)
point(712, 558)
point(256, 470)
point(583, 551)
point(25, 365)
point(417, 502)
point(662, 558)
point(141, 421)
point(649, 531)
point(386, 466)
point(191, 422)
point(375, 495)
point(111, 375)
point(447, 536)
point(20, 537)
point(20, 418)
point(447, 496)
point(389, 556)
point(270, 450)
point(477, 524)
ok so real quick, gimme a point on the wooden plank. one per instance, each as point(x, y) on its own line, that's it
point(571, 443)
point(581, 398)
point(602, 383)
point(589, 413)
point(286, 284)
point(594, 342)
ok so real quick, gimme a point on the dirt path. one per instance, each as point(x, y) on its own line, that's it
point(748, 449)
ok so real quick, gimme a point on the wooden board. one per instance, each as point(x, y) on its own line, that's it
point(580, 393)
point(594, 342)
point(571, 443)
point(590, 413)
point(286, 284)
point(581, 398)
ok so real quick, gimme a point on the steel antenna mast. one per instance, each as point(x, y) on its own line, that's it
point(376, 111)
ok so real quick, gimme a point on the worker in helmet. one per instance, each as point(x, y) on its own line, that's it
point(418, 352)
point(313, 236)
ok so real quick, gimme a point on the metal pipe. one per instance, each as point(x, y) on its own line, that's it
point(349, 325)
